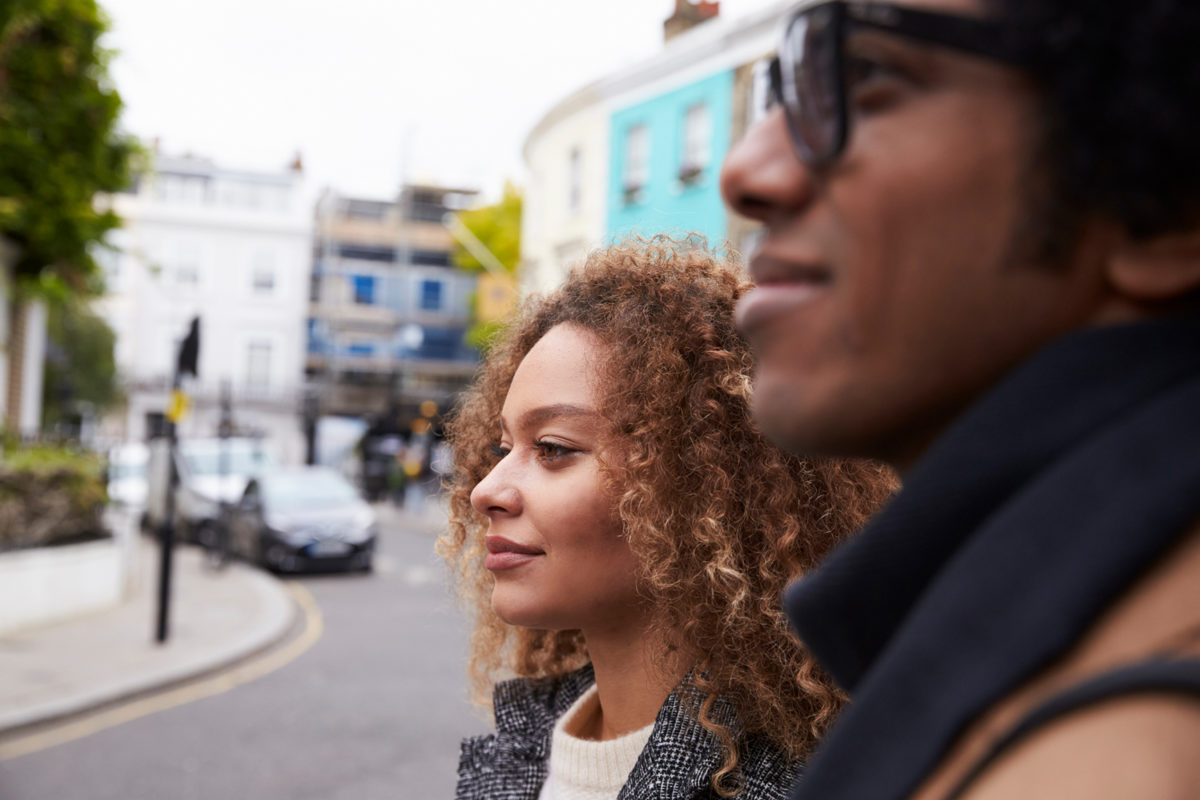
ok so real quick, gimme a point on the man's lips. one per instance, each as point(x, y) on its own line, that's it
point(505, 553)
point(782, 286)
point(766, 270)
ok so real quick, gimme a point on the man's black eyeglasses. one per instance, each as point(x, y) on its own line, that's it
point(808, 73)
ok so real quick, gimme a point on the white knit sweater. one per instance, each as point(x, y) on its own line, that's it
point(585, 770)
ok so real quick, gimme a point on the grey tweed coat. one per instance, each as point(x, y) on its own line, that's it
point(677, 763)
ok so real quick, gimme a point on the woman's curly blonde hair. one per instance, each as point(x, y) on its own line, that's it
point(718, 518)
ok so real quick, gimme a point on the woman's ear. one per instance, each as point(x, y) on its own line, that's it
point(1157, 270)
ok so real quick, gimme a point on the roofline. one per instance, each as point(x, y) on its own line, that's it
point(686, 49)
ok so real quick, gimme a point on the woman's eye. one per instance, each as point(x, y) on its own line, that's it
point(549, 451)
point(498, 451)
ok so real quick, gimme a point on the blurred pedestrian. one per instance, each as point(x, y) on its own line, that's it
point(621, 533)
point(981, 263)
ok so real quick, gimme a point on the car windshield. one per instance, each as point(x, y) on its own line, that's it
point(307, 490)
point(241, 458)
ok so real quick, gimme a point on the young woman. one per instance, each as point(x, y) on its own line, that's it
point(621, 533)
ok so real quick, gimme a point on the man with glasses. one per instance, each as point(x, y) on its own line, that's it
point(981, 264)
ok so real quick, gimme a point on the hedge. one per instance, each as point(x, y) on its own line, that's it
point(50, 495)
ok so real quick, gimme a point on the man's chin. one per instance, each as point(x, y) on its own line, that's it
point(796, 422)
point(779, 415)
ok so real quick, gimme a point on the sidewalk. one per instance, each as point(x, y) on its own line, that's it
point(216, 618)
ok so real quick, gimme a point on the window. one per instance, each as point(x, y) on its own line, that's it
point(366, 209)
point(364, 289)
point(264, 280)
point(264, 274)
point(187, 275)
point(258, 365)
point(431, 258)
point(431, 295)
point(575, 181)
point(637, 163)
point(318, 336)
point(423, 205)
point(442, 343)
point(187, 266)
point(427, 212)
point(696, 141)
point(366, 252)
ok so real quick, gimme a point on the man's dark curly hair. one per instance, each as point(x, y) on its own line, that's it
point(1120, 83)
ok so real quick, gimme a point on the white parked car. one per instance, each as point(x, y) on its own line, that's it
point(211, 472)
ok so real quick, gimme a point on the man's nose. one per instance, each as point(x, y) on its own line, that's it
point(762, 176)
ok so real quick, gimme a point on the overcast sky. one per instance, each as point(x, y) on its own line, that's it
point(368, 90)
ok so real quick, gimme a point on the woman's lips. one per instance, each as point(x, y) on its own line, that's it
point(506, 554)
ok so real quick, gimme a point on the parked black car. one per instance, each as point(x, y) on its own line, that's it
point(305, 518)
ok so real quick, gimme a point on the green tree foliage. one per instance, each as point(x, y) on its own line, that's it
point(79, 364)
point(480, 334)
point(498, 227)
point(59, 144)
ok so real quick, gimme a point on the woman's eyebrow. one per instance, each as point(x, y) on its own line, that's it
point(537, 416)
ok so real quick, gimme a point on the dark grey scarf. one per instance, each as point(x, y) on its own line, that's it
point(1021, 524)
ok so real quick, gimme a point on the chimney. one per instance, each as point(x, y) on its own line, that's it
point(688, 15)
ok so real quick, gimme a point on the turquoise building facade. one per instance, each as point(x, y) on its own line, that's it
point(665, 161)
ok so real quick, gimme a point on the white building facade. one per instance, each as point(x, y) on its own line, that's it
point(563, 216)
point(571, 154)
point(232, 248)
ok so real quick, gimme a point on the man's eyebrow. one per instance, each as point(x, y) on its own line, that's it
point(536, 416)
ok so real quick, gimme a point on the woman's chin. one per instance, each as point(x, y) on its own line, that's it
point(515, 612)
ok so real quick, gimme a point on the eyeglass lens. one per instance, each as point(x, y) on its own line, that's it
point(811, 84)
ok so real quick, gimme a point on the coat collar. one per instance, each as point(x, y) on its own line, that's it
point(526, 709)
point(682, 755)
point(979, 574)
point(677, 763)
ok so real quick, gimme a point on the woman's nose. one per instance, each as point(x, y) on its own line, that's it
point(496, 493)
point(762, 176)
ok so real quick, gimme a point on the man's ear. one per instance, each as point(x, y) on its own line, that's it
point(1160, 269)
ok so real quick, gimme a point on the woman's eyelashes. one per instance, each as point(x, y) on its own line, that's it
point(545, 451)
point(549, 452)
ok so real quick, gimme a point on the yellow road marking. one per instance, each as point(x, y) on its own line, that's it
point(314, 626)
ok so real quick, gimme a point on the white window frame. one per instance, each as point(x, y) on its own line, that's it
point(258, 380)
point(697, 142)
point(637, 162)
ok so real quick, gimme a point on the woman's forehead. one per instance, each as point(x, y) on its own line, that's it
point(563, 369)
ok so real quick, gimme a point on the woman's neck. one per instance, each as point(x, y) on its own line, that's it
point(633, 679)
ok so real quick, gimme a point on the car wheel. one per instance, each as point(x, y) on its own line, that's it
point(206, 535)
